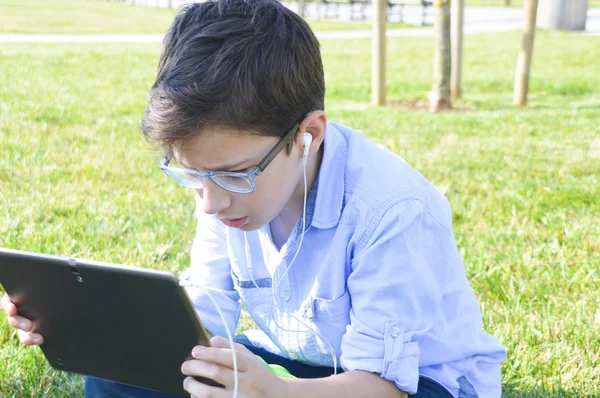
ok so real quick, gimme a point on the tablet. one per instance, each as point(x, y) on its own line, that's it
point(126, 324)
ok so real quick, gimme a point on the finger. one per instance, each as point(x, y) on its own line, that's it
point(220, 342)
point(30, 338)
point(20, 323)
point(8, 306)
point(197, 389)
point(221, 374)
point(223, 342)
point(222, 356)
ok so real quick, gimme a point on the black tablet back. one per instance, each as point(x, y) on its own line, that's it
point(126, 324)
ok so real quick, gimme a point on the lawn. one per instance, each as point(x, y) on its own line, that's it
point(513, 3)
point(77, 178)
point(81, 16)
point(97, 16)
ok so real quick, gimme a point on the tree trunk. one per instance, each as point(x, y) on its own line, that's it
point(301, 4)
point(439, 98)
point(525, 55)
point(507, 2)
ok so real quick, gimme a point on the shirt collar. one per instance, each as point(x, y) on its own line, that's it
point(330, 195)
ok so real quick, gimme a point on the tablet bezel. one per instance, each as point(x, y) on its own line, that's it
point(101, 319)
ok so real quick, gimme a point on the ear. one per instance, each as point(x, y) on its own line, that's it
point(314, 124)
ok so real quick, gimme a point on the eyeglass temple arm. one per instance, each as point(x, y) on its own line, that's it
point(266, 160)
point(280, 145)
point(164, 161)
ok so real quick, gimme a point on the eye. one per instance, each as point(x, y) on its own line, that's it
point(245, 170)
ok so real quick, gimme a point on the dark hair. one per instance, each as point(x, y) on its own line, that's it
point(251, 65)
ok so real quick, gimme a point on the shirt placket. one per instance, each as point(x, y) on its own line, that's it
point(285, 302)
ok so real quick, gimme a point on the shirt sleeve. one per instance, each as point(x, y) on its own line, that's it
point(396, 286)
point(209, 276)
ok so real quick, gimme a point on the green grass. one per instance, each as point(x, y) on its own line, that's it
point(502, 3)
point(324, 25)
point(513, 3)
point(97, 16)
point(81, 16)
point(77, 178)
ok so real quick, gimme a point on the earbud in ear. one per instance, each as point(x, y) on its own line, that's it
point(307, 141)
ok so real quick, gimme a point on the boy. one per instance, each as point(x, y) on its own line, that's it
point(335, 245)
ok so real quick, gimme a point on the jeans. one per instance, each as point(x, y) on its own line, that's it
point(99, 388)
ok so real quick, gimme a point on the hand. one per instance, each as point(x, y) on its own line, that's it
point(255, 379)
point(22, 324)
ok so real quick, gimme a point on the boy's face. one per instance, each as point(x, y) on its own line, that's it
point(226, 149)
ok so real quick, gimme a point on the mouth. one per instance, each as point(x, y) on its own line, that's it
point(236, 222)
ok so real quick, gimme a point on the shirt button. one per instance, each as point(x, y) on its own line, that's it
point(308, 313)
point(395, 332)
point(285, 295)
point(293, 355)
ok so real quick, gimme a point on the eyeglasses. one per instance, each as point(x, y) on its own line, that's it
point(233, 181)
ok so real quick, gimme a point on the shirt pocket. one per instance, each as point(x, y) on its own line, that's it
point(329, 317)
point(255, 294)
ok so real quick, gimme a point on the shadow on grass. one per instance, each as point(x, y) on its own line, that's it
point(423, 106)
point(518, 392)
point(536, 105)
point(589, 107)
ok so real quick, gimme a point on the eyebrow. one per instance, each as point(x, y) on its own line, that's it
point(221, 168)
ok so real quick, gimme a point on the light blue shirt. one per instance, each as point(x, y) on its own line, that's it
point(378, 276)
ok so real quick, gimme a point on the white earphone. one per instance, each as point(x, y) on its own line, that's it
point(307, 141)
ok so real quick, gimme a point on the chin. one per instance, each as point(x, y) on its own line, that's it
point(250, 226)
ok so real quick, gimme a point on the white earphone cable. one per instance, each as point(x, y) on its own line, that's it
point(207, 289)
point(274, 287)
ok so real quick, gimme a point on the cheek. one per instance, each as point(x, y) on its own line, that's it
point(266, 194)
point(276, 184)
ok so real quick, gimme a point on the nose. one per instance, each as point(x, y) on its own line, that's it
point(214, 198)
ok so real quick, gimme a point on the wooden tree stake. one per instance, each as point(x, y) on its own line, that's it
point(458, 8)
point(379, 21)
point(525, 55)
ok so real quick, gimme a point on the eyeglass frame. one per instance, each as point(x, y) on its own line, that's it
point(249, 176)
